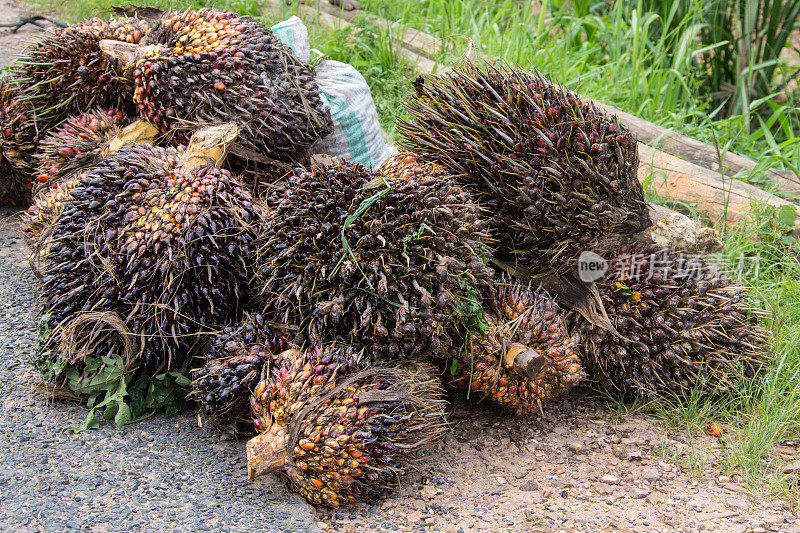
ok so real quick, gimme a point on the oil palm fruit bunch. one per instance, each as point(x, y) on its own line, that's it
point(66, 73)
point(341, 431)
point(347, 254)
point(520, 354)
point(18, 138)
point(207, 66)
point(556, 176)
point(681, 324)
point(158, 238)
point(236, 360)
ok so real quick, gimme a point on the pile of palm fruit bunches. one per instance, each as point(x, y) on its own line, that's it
point(337, 310)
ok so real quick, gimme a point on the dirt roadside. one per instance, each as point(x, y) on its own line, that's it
point(577, 468)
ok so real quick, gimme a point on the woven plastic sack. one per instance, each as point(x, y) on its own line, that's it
point(357, 135)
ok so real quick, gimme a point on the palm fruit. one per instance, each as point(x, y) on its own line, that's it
point(347, 254)
point(681, 324)
point(236, 360)
point(77, 144)
point(521, 354)
point(18, 137)
point(341, 431)
point(207, 66)
point(556, 176)
point(159, 238)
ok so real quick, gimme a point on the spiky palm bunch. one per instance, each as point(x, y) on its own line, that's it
point(681, 322)
point(520, 354)
point(18, 138)
point(214, 65)
point(68, 151)
point(78, 143)
point(236, 360)
point(66, 73)
point(556, 176)
point(160, 245)
point(341, 431)
point(351, 255)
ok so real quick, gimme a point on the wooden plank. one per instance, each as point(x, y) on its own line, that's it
point(677, 179)
point(327, 18)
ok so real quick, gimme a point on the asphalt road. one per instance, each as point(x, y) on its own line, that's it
point(161, 474)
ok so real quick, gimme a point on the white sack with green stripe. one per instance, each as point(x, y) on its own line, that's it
point(357, 135)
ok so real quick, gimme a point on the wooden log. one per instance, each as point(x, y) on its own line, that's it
point(696, 152)
point(721, 200)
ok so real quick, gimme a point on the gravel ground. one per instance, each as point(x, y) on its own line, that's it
point(162, 474)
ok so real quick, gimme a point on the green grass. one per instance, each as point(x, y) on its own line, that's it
point(646, 64)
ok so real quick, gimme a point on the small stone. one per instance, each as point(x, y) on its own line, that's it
point(501, 480)
point(576, 448)
point(429, 521)
point(415, 516)
point(610, 479)
point(792, 467)
point(759, 530)
point(323, 526)
point(529, 486)
point(724, 479)
point(560, 470)
point(639, 494)
point(429, 491)
point(737, 503)
point(635, 454)
point(651, 474)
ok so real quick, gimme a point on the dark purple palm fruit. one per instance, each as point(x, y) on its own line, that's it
point(235, 361)
point(374, 259)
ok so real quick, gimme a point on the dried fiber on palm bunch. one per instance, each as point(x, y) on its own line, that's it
point(519, 353)
point(153, 243)
point(341, 430)
point(555, 175)
point(206, 66)
point(236, 360)
point(68, 151)
point(378, 260)
point(682, 324)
